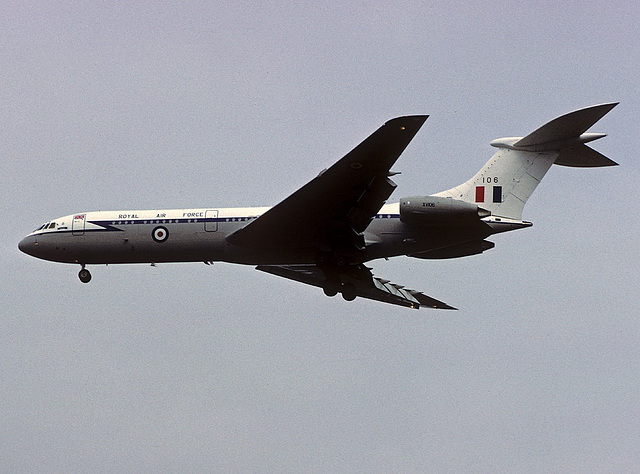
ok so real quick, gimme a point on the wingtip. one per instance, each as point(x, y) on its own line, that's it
point(433, 303)
point(604, 105)
point(408, 119)
point(443, 306)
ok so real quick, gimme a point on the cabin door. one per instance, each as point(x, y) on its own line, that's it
point(211, 221)
point(77, 225)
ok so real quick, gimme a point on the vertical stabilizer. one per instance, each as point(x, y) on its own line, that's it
point(507, 180)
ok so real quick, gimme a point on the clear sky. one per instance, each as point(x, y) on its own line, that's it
point(134, 105)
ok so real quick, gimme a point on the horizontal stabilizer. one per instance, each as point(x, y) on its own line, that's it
point(583, 157)
point(566, 127)
point(565, 136)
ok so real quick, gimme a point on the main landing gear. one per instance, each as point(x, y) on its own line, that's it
point(84, 275)
point(333, 265)
point(332, 288)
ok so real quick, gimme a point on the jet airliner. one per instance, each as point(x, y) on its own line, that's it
point(325, 232)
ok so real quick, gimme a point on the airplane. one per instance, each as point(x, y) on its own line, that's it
point(325, 232)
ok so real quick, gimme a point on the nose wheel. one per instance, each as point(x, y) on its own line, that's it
point(84, 275)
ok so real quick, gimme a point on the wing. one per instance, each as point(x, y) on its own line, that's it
point(338, 205)
point(360, 282)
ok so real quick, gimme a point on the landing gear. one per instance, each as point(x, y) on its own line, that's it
point(84, 275)
point(349, 292)
point(336, 266)
point(332, 288)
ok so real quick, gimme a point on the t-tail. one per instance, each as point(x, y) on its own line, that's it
point(508, 179)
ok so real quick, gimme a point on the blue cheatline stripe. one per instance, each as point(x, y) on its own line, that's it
point(108, 224)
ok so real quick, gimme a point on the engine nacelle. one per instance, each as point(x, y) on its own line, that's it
point(436, 211)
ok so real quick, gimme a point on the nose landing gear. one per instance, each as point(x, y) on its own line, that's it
point(84, 275)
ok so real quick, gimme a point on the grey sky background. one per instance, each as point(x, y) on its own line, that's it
point(189, 367)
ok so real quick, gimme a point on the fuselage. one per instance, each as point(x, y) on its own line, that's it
point(199, 235)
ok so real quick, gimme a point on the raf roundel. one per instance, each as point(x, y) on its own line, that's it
point(160, 234)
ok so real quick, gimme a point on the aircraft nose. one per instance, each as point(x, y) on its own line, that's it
point(28, 245)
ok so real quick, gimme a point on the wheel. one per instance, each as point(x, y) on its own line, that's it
point(330, 288)
point(349, 292)
point(84, 275)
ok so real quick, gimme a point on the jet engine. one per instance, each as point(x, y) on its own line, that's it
point(438, 211)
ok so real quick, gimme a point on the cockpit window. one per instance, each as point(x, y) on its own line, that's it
point(47, 225)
